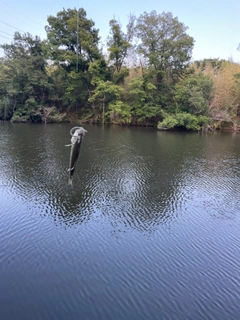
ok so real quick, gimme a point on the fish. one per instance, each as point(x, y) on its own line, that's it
point(76, 141)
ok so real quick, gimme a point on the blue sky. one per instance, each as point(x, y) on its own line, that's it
point(214, 24)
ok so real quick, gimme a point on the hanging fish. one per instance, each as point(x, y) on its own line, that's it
point(77, 134)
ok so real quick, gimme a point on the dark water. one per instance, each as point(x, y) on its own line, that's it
point(151, 229)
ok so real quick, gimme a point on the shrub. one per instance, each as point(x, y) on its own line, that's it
point(183, 120)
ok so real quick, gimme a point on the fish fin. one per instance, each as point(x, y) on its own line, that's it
point(70, 169)
point(68, 145)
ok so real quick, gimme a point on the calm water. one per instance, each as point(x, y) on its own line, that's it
point(151, 229)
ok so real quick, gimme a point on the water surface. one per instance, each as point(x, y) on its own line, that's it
point(150, 229)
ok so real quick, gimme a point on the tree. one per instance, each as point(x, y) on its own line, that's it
point(72, 39)
point(225, 106)
point(120, 112)
point(99, 71)
point(207, 65)
point(27, 83)
point(194, 94)
point(164, 42)
point(141, 99)
point(106, 92)
point(73, 46)
point(118, 46)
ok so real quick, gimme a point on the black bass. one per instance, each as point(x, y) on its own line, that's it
point(76, 141)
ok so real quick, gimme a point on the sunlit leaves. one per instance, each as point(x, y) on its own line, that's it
point(106, 92)
point(120, 112)
point(184, 121)
point(225, 105)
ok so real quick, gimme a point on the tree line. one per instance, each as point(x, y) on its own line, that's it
point(142, 76)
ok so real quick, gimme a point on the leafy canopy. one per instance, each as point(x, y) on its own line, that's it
point(71, 34)
point(164, 42)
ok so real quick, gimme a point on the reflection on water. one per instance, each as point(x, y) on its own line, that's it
point(137, 178)
point(153, 219)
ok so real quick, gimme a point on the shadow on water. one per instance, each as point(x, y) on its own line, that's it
point(133, 177)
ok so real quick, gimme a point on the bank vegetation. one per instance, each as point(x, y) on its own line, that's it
point(141, 76)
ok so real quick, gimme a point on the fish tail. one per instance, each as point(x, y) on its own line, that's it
point(70, 182)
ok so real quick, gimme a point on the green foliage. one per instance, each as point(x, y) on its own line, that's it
point(169, 122)
point(76, 92)
point(73, 39)
point(164, 42)
point(99, 71)
point(119, 112)
point(215, 64)
point(19, 118)
point(26, 81)
point(193, 95)
point(73, 46)
point(67, 74)
point(106, 92)
point(22, 114)
point(183, 120)
point(142, 100)
point(118, 78)
point(118, 45)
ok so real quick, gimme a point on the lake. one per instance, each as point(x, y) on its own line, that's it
point(150, 229)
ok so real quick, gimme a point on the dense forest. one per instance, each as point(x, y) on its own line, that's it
point(143, 76)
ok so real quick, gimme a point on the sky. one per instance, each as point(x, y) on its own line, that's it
point(214, 24)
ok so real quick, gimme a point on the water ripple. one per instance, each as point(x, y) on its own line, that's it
point(150, 229)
